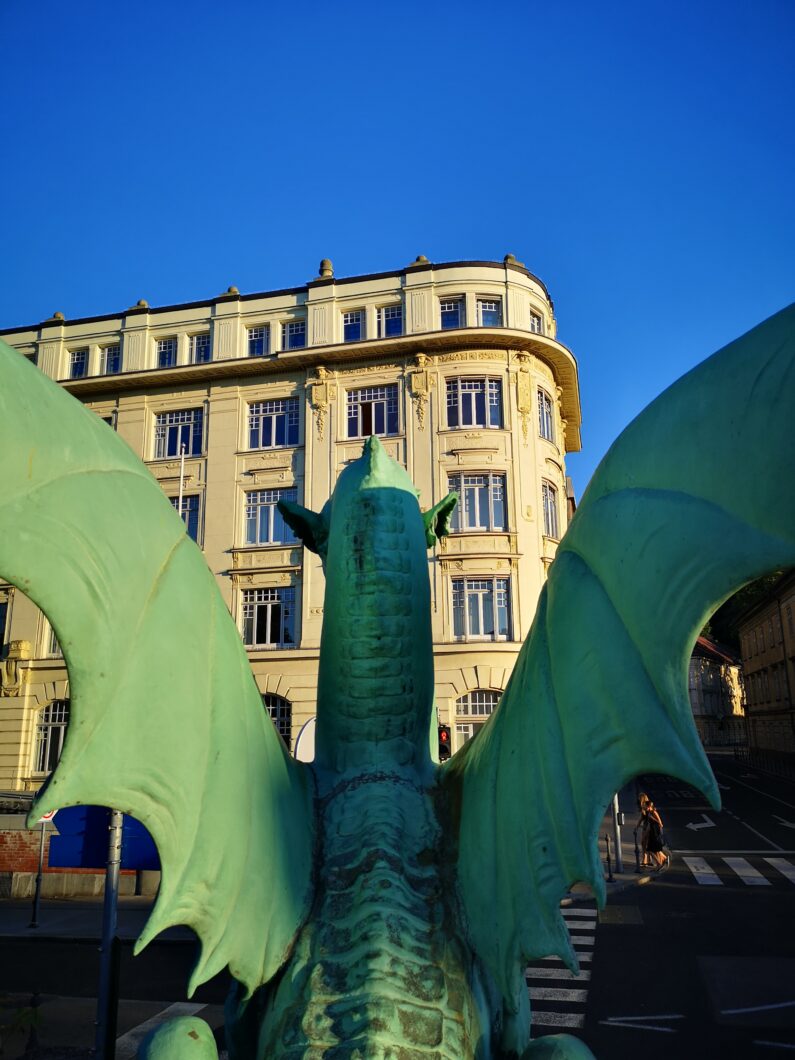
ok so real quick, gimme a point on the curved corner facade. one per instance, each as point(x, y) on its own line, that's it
point(456, 367)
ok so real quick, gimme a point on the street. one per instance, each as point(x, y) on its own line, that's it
point(698, 960)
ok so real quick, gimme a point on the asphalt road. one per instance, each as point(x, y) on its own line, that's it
point(700, 961)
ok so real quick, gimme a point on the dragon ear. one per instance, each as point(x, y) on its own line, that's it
point(310, 527)
point(437, 519)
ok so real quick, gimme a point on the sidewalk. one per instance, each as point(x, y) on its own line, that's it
point(80, 919)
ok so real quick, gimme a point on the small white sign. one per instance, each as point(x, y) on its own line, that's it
point(45, 817)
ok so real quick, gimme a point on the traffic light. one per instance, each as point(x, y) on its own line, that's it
point(444, 742)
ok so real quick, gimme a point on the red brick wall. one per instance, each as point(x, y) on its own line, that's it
point(19, 850)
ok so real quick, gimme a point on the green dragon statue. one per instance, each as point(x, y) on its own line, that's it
point(374, 903)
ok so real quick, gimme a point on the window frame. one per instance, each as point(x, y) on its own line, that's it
point(384, 313)
point(161, 344)
point(546, 414)
point(103, 359)
point(193, 343)
point(536, 324)
point(292, 422)
point(292, 329)
point(78, 362)
point(195, 433)
point(189, 510)
point(494, 480)
point(254, 340)
point(280, 711)
point(360, 321)
point(45, 759)
point(391, 415)
point(252, 513)
point(550, 509)
point(460, 302)
point(491, 385)
point(283, 597)
point(488, 300)
point(470, 588)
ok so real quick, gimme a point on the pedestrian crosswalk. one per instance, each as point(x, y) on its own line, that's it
point(720, 871)
point(558, 996)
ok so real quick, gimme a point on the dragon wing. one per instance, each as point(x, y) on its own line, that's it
point(694, 499)
point(166, 720)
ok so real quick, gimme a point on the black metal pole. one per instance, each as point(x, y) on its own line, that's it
point(609, 869)
point(37, 892)
point(637, 851)
point(107, 1002)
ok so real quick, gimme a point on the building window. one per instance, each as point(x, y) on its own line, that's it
point(373, 410)
point(281, 714)
point(536, 324)
point(50, 733)
point(259, 341)
point(110, 360)
point(200, 348)
point(294, 335)
point(481, 609)
point(78, 363)
point(545, 421)
point(173, 430)
point(166, 353)
point(3, 624)
point(452, 313)
point(353, 325)
point(549, 502)
point(189, 513)
point(479, 703)
point(273, 424)
point(474, 403)
point(264, 523)
point(52, 648)
point(268, 618)
point(481, 502)
point(489, 312)
point(390, 321)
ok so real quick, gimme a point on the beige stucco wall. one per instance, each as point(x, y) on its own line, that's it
point(419, 362)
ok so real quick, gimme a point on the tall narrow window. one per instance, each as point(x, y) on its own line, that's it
point(451, 311)
point(259, 341)
point(110, 360)
point(474, 403)
point(481, 609)
point(294, 335)
point(269, 618)
point(51, 646)
point(50, 735)
point(536, 323)
point(78, 363)
point(373, 410)
point(264, 523)
point(173, 430)
point(390, 321)
point(166, 353)
point(489, 312)
point(545, 421)
point(481, 502)
point(200, 348)
point(281, 714)
point(3, 624)
point(273, 424)
point(353, 325)
point(189, 513)
point(549, 503)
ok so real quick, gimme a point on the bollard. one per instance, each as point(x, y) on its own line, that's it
point(609, 869)
point(34, 923)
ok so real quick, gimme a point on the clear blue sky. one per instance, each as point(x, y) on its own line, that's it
point(637, 157)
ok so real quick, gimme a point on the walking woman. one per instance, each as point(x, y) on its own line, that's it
point(651, 834)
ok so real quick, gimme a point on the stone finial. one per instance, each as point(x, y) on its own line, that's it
point(55, 317)
point(326, 270)
point(419, 260)
point(232, 289)
point(511, 259)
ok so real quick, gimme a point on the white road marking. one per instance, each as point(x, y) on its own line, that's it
point(747, 873)
point(567, 912)
point(558, 1019)
point(702, 872)
point(775, 798)
point(786, 868)
point(583, 958)
point(784, 821)
point(774, 1045)
point(639, 1022)
point(582, 925)
point(557, 973)
point(127, 1044)
point(696, 826)
point(745, 853)
point(551, 993)
point(582, 940)
point(757, 1008)
point(739, 820)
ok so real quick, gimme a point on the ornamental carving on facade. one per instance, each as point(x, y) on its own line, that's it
point(322, 393)
point(12, 675)
point(422, 383)
point(524, 394)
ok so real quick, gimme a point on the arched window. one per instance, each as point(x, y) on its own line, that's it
point(50, 733)
point(477, 706)
point(281, 713)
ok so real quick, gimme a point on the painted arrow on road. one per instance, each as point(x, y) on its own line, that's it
point(787, 824)
point(697, 826)
point(641, 1023)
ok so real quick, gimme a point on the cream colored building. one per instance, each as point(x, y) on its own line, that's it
point(456, 366)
